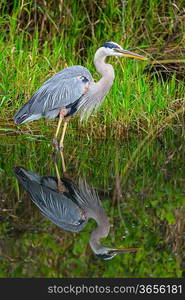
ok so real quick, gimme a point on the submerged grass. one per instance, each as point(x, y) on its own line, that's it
point(39, 38)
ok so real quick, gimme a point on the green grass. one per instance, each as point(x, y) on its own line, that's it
point(33, 48)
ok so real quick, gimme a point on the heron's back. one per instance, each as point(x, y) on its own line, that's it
point(62, 90)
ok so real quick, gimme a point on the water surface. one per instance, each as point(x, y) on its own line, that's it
point(142, 194)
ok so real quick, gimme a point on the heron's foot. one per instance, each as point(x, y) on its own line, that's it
point(55, 144)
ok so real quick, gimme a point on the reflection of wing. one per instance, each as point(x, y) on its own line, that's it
point(86, 197)
point(63, 89)
point(60, 207)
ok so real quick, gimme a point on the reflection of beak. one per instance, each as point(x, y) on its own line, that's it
point(129, 54)
point(123, 250)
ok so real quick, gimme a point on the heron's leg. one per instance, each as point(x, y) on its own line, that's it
point(61, 145)
point(59, 124)
point(61, 117)
point(61, 186)
point(55, 143)
point(63, 161)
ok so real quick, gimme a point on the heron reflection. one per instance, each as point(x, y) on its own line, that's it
point(69, 206)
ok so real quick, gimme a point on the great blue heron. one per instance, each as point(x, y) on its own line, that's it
point(73, 90)
point(69, 206)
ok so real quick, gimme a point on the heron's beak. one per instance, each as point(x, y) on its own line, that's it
point(123, 250)
point(130, 54)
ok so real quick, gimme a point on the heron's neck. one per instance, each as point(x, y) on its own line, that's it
point(101, 231)
point(106, 70)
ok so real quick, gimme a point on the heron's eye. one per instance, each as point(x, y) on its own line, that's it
point(83, 78)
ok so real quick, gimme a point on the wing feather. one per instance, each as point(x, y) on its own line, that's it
point(61, 90)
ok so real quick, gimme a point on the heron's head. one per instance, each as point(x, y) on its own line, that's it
point(113, 49)
point(108, 253)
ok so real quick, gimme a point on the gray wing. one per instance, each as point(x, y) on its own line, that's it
point(57, 206)
point(60, 91)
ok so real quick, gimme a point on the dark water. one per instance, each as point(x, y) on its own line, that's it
point(142, 193)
